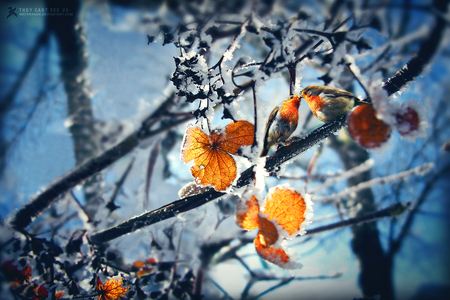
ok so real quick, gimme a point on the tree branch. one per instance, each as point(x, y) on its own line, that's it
point(415, 66)
point(390, 211)
point(183, 205)
point(396, 244)
point(24, 217)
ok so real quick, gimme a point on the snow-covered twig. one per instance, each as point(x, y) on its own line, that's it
point(391, 211)
point(420, 170)
point(367, 165)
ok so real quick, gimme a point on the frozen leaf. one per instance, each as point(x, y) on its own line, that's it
point(410, 120)
point(287, 207)
point(137, 265)
point(283, 215)
point(111, 290)
point(268, 233)
point(213, 164)
point(274, 255)
point(12, 273)
point(247, 214)
point(366, 129)
point(407, 121)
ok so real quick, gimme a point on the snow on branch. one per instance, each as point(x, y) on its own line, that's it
point(416, 65)
point(62, 185)
point(420, 170)
point(393, 210)
point(365, 166)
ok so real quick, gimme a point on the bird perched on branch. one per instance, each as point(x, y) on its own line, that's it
point(282, 122)
point(329, 103)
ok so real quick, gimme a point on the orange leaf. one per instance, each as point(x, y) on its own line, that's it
point(247, 214)
point(366, 129)
point(213, 164)
point(137, 265)
point(237, 134)
point(287, 207)
point(150, 261)
point(111, 290)
point(271, 254)
point(216, 167)
point(195, 144)
point(268, 233)
point(144, 271)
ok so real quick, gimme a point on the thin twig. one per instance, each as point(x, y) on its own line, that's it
point(420, 170)
point(396, 244)
point(220, 288)
point(151, 165)
point(183, 205)
point(393, 210)
point(90, 220)
point(25, 215)
point(111, 204)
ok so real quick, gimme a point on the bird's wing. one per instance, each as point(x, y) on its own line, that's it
point(271, 119)
point(334, 93)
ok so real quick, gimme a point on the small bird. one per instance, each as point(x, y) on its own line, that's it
point(329, 103)
point(282, 122)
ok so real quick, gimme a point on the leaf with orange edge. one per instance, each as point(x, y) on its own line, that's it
point(213, 164)
point(247, 213)
point(274, 255)
point(237, 134)
point(111, 290)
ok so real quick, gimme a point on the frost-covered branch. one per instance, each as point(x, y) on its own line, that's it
point(283, 282)
point(367, 165)
point(8, 99)
point(62, 185)
point(391, 211)
point(183, 205)
point(416, 65)
point(420, 170)
point(396, 244)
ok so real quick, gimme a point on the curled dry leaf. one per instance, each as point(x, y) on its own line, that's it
point(111, 290)
point(366, 129)
point(213, 164)
point(272, 254)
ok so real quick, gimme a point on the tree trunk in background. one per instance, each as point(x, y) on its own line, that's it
point(73, 63)
point(375, 276)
